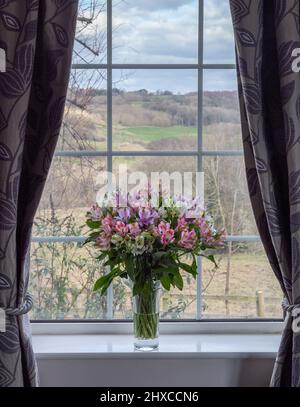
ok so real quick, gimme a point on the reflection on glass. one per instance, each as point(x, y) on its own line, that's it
point(152, 31)
point(155, 110)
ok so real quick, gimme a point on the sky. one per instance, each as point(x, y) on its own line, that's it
point(166, 31)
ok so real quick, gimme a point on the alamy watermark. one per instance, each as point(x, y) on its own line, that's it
point(2, 60)
point(2, 320)
point(187, 185)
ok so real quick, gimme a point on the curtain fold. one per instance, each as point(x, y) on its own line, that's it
point(37, 37)
point(266, 33)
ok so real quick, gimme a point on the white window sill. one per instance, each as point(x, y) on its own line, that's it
point(117, 346)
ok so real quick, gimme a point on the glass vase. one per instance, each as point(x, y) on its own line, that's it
point(146, 318)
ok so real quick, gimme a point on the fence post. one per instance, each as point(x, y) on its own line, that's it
point(260, 304)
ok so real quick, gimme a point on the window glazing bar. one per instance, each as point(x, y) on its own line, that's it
point(109, 314)
point(153, 66)
point(200, 141)
point(152, 153)
point(81, 239)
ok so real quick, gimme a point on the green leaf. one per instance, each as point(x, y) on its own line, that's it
point(212, 259)
point(165, 282)
point(104, 282)
point(191, 269)
point(93, 224)
point(102, 256)
point(178, 281)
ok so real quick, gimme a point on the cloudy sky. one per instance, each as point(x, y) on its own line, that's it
point(162, 32)
point(165, 31)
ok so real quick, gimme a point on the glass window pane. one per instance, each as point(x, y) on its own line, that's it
point(70, 190)
point(226, 195)
point(221, 114)
point(244, 285)
point(155, 31)
point(85, 117)
point(90, 45)
point(62, 276)
point(218, 33)
point(155, 110)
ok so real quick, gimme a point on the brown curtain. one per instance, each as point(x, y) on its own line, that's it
point(266, 33)
point(37, 37)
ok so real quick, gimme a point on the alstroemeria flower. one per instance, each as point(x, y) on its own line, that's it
point(123, 214)
point(95, 213)
point(121, 228)
point(134, 229)
point(147, 216)
point(103, 241)
point(107, 224)
point(181, 223)
point(165, 232)
point(188, 239)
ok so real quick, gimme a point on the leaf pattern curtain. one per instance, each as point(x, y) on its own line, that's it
point(266, 33)
point(37, 37)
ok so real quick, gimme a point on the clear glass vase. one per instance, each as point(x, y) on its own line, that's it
point(146, 318)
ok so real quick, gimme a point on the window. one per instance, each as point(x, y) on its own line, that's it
point(152, 85)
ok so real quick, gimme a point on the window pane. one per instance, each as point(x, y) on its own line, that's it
point(218, 33)
point(155, 31)
point(221, 114)
point(155, 110)
point(85, 119)
point(70, 190)
point(252, 289)
point(62, 276)
point(90, 45)
point(226, 195)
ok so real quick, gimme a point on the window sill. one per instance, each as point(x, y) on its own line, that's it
point(218, 346)
point(165, 328)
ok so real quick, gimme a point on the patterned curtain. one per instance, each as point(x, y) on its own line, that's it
point(266, 33)
point(37, 37)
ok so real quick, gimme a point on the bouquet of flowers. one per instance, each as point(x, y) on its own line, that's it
point(148, 243)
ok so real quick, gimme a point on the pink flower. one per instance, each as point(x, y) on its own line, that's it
point(103, 241)
point(188, 239)
point(121, 228)
point(134, 229)
point(107, 224)
point(220, 240)
point(165, 232)
point(181, 223)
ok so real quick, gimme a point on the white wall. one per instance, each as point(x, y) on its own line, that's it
point(119, 372)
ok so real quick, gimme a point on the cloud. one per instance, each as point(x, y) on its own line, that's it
point(159, 32)
point(160, 4)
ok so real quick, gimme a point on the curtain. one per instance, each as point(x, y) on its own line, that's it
point(266, 33)
point(37, 37)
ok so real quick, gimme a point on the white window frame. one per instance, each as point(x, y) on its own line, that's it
point(199, 324)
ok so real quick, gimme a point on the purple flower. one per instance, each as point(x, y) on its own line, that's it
point(124, 214)
point(95, 213)
point(147, 216)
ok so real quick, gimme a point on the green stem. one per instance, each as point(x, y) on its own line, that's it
point(146, 315)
